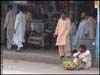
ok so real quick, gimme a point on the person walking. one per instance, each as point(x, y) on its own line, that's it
point(19, 28)
point(9, 24)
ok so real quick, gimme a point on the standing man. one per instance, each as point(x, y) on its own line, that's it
point(9, 24)
point(92, 27)
point(62, 31)
point(73, 31)
point(83, 30)
point(28, 27)
point(20, 28)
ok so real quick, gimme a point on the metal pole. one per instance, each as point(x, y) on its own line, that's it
point(97, 35)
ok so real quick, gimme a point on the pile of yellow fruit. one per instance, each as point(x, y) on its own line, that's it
point(69, 65)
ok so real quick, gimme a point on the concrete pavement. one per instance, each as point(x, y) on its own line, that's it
point(25, 67)
point(36, 55)
point(50, 56)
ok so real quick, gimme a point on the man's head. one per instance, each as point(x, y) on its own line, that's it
point(22, 8)
point(63, 15)
point(82, 48)
point(83, 15)
point(9, 7)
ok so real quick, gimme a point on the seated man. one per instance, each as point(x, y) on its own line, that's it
point(82, 57)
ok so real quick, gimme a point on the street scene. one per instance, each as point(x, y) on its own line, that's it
point(50, 37)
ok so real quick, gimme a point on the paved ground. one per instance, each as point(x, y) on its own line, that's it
point(24, 67)
point(36, 61)
point(47, 55)
point(50, 56)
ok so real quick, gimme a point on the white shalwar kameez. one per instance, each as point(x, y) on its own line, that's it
point(84, 57)
point(20, 29)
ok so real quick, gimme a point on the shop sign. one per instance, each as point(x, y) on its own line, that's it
point(96, 4)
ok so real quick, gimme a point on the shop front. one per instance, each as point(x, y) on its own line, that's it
point(45, 15)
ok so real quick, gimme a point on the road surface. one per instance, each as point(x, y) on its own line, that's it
point(24, 67)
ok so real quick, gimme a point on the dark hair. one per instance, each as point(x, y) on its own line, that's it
point(63, 12)
point(65, 15)
point(83, 47)
point(10, 7)
point(85, 11)
point(74, 51)
point(22, 8)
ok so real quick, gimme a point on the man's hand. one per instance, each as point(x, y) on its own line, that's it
point(78, 54)
point(54, 35)
point(86, 35)
point(14, 31)
point(4, 27)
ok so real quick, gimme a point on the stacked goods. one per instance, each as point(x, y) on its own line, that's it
point(69, 65)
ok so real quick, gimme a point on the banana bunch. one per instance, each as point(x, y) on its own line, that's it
point(69, 65)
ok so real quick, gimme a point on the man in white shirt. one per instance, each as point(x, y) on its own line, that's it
point(19, 28)
point(82, 57)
